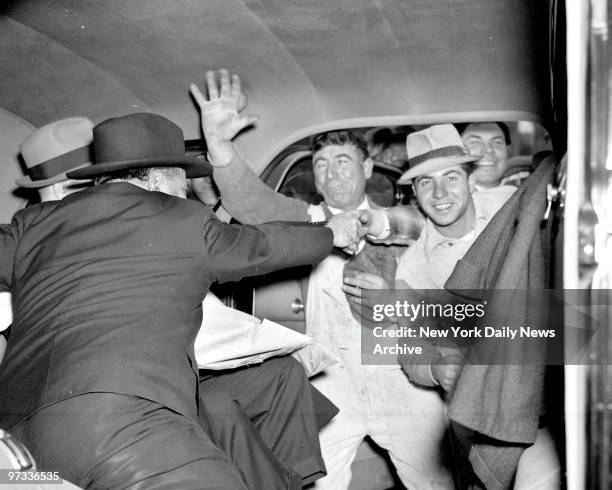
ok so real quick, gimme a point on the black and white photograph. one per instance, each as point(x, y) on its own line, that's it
point(319, 244)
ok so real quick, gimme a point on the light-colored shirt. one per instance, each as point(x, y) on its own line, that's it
point(316, 213)
point(6, 314)
point(430, 261)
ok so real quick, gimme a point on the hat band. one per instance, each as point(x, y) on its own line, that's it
point(445, 151)
point(60, 164)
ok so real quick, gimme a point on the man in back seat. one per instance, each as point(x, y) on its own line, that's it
point(377, 401)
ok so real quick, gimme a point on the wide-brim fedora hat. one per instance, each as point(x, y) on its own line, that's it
point(433, 149)
point(140, 140)
point(54, 149)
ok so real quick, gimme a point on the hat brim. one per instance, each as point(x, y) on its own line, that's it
point(433, 165)
point(194, 167)
point(27, 181)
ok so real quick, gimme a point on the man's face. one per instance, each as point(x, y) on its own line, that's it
point(395, 155)
point(445, 197)
point(340, 173)
point(487, 141)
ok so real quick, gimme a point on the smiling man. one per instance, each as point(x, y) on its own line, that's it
point(489, 141)
point(443, 176)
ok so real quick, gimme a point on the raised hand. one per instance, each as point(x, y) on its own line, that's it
point(220, 117)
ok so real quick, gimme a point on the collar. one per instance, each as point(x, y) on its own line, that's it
point(365, 204)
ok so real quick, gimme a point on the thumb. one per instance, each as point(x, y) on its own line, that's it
point(247, 121)
point(365, 218)
point(197, 94)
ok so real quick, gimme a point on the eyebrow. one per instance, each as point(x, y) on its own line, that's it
point(345, 155)
point(497, 136)
point(340, 155)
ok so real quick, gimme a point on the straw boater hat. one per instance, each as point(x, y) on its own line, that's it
point(138, 141)
point(433, 149)
point(53, 149)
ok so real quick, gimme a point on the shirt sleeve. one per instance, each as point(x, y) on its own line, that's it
point(6, 313)
point(250, 201)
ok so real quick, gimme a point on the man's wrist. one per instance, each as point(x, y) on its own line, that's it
point(220, 154)
point(380, 227)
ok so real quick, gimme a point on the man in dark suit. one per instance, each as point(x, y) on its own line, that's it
point(99, 379)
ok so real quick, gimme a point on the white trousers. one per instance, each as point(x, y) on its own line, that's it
point(379, 401)
point(539, 467)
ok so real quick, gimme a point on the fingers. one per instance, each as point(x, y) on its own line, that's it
point(225, 83)
point(354, 291)
point(352, 281)
point(211, 85)
point(366, 280)
point(225, 90)
point(197, 95)
point(248, 120)
point(365, 217)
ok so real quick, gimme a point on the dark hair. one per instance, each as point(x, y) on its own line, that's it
point(468, 168)
point(339, 138)
point(502, 125)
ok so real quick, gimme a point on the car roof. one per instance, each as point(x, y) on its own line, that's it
point(306, 65)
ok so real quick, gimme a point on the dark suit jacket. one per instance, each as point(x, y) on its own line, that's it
point(107, 288)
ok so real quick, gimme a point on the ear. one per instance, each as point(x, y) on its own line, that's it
point(154, 180)
point(368, 167)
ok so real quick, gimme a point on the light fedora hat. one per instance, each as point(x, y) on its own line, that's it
point(140, 140)
point(433, 149)
point(54, 149)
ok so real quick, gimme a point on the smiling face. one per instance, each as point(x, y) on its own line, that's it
point(487, 140)
point(340, 173)
point(445, 197)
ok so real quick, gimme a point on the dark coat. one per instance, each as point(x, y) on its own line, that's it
point(502, 401)
point(107, 287)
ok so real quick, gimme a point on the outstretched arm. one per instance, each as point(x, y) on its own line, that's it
point(243, 194)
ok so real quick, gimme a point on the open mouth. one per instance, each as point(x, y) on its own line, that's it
point(442, 207)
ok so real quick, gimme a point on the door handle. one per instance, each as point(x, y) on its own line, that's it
point(297, 306)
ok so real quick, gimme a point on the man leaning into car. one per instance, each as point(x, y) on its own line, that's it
point(100, 379)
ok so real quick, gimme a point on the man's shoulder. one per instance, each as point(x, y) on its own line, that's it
point(27, 216)
point(493, 199)
point(500, 193)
